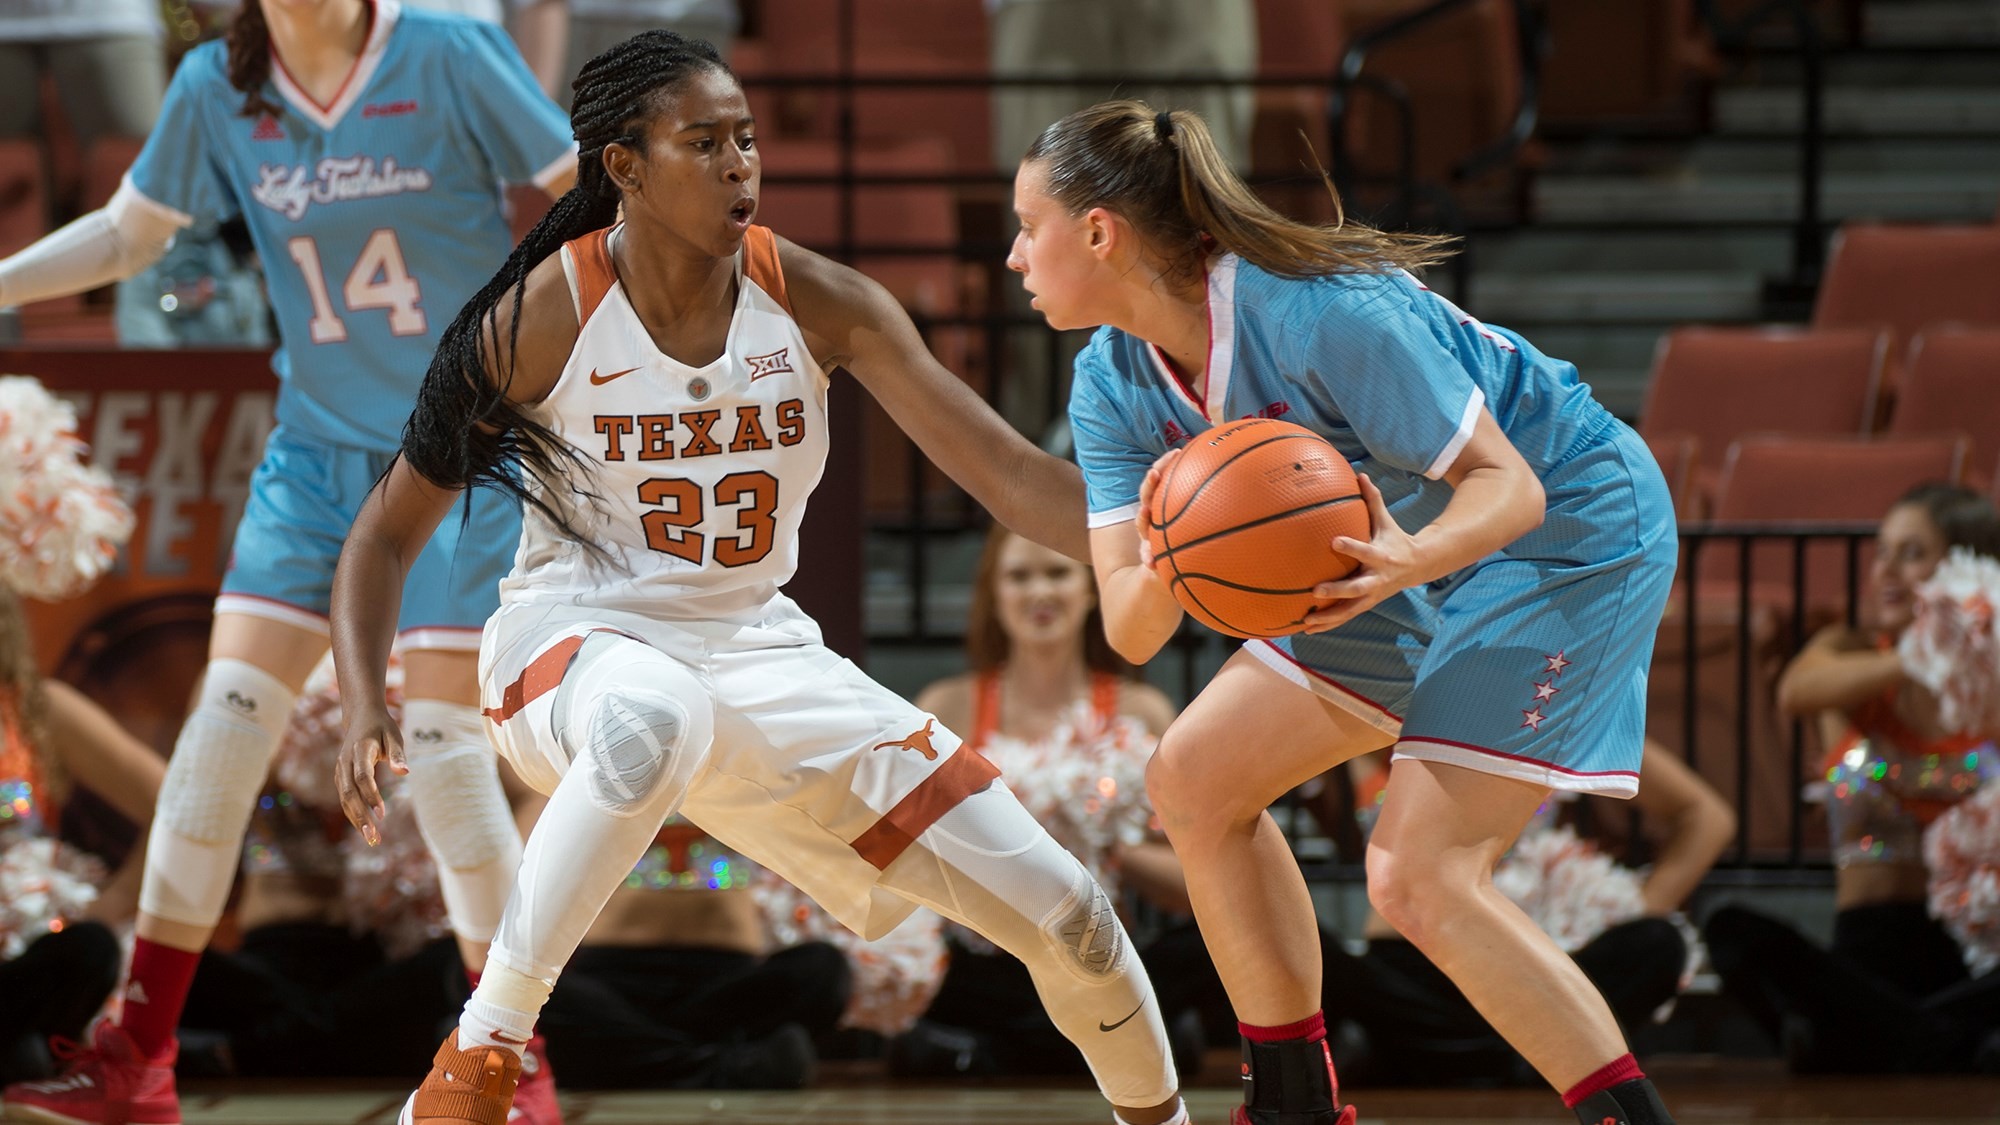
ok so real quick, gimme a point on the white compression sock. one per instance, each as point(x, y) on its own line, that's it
point(503, 1009)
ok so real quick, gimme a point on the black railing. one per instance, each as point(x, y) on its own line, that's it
point(1739, 36)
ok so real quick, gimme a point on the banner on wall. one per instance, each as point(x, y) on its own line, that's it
point(180, 432)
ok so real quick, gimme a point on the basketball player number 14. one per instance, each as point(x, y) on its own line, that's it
point(379, 280)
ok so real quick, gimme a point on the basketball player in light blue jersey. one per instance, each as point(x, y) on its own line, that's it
point(1497, 632)
point(365, 145)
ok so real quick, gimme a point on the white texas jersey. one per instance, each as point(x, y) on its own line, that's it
point(702, 472)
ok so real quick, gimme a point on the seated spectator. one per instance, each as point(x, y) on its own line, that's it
point(1892, 993)
point(1408, 1024)
point(1071, 730)
point(680, 985)
point(107, 59)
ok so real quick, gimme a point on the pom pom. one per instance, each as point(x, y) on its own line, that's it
point(61, 521)
point(1572, 891)
point(1962, 853)
point(1953, 647)
point(41, 883)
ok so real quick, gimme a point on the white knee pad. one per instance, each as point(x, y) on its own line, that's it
point(218, 768)
point(636, 727)
point(636, 721)
point(454, 782)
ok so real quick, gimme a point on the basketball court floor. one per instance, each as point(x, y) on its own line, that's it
point(1700, 1094)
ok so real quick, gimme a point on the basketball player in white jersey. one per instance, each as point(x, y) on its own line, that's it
point(656, 394)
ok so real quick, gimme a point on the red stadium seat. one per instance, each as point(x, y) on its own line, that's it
point(1718, 384)
point(1634, 60)
point(104, 166)
point(1779, 479)
point(1295, 39)
point(23, 194)
point(1910, 277)
point(1951, 382)
point(1462, 73)
point(1677, 455)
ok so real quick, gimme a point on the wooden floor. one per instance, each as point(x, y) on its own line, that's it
point(1697, 1092)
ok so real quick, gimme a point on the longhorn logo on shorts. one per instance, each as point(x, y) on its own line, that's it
point(775, 363)
point(427, 735)
point(918, 740)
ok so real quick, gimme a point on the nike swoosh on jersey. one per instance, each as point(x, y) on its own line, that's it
point(597, 380)
point(1102, 1026)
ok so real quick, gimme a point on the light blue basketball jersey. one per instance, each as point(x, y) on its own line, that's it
point(1391, 373)
point(376, 217)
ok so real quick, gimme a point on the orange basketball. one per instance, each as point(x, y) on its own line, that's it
point(1241, 524)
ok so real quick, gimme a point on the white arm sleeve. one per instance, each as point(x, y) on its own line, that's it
point(129, 234)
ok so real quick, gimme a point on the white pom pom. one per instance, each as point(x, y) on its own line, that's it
point(1572, 891)
point(1953, 646)
point(61, 521)
point(1962, 853)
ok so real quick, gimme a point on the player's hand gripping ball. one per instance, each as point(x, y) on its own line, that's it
point(1240, 526)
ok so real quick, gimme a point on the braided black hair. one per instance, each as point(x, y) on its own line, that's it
point(464, 431)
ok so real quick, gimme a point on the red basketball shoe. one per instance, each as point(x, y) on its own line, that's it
point(106, 1083)
point(1241, 1116)
point(535, 1097)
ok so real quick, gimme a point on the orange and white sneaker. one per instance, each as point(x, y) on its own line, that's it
point(470, 1087)
point(107, 1083)
point(535, 1097)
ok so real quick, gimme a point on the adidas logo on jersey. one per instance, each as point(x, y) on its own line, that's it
point(267, 129)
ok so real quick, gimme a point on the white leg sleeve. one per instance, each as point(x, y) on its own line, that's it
point(635, 726)
point(455, 782)
point(989, 865)
point(218, 767)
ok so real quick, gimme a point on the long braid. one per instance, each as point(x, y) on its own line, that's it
point(249, 42)
point(465, 431)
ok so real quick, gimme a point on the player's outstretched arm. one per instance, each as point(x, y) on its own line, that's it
point(394, 523)
point(110, 244)
point(854, 323)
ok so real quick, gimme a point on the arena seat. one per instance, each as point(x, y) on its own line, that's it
point(1909, 277)
point(1951, 382)
point(24, 196)
point(1295, 39)
point(1462, 73)
point(1718, 384)
point(1678, 454)
point(1781, 478)
point(104, 166)
point(1620, 62)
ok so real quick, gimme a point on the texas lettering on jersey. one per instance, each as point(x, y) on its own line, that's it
point(286, 189)
point(694, 433)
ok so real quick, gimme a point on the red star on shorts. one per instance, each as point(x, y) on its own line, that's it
point(1533, 719)
point(1557, 663)
point(1546, 692)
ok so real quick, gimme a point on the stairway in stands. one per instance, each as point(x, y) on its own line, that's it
point(1632, 235)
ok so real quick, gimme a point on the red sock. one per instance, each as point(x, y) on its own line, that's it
point(1311, 1028)
point(1624, 1068)
point(158, 991)
point(472, 978)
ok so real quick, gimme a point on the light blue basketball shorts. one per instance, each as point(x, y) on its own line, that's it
point(1531, 664)
point(303, 498)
